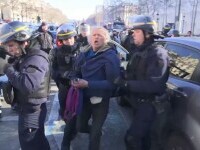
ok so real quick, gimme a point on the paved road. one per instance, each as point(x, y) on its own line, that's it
point(113, 131)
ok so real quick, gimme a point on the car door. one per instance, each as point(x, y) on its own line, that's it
point(184, 86)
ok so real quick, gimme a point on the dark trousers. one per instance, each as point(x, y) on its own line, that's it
point(62, 95)
point(69, 134)
point(98, 112)
point(138, 135)
point(70, 126)
point(31, 127)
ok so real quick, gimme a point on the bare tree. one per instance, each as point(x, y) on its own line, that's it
point(194, 4)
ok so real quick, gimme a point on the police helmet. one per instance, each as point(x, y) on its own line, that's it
point(174, 33)
point(84, 28)
point(16, 31)
point(167, 27)
point(66, 31)
point(143, 22)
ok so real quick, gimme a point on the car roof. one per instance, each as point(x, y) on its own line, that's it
point(189, 41)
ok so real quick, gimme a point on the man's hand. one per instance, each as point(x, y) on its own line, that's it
point(79, 83)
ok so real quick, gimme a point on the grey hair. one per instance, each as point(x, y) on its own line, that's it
point(103, 32)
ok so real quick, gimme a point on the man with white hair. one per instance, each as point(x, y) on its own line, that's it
point(96, 68)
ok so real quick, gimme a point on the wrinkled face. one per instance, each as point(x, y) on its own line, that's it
point(138, 37)
point(69, 41)
point(97, 39)
point(13, 48)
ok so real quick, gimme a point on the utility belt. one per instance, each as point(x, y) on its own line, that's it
point(160, 103)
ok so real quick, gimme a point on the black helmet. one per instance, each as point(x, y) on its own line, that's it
point(66, 31)
point(15, 30)
point(167, 27)
point(143, 22)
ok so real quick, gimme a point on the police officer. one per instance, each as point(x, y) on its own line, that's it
point(28, 73)
point(166, 29)
point(147, 73)
point(82, 38)
point(63, 58)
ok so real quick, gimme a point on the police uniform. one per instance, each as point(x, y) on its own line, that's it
point(63, 58)
point(62, 65)
point(146, 77)
point(29, 76)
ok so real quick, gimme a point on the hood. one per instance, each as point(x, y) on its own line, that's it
point(102, 49)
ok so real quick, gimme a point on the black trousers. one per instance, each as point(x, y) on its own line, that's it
point(98, 112)
point(70, 126)
point(138, 135)
point(31, 128)
point(62, 95)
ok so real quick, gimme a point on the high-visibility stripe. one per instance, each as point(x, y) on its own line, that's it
point(142, 23)
point(21, 28)
point(68, 33)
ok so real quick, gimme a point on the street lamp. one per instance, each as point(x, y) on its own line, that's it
point(183, 23)
point(157, 20)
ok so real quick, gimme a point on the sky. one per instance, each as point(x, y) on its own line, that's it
point(76, 9)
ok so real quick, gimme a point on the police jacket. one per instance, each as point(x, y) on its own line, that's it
point(62, 62)
point(99, 69)
point(83, 41)
point(29, 75)
point(148, 70)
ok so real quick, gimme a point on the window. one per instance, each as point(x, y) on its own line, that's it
point(184, 60)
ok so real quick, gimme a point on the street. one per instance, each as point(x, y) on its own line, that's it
point(113, 131)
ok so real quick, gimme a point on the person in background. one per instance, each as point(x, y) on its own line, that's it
point(173, 33)
point(63, 58)
point(146, 76)
point(45, 38)
point(94, 73)
point(28, 73)
point(165, 30)
point(189, 34)
point(82, 38)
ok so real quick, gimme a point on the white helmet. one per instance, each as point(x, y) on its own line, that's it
point(84, 29)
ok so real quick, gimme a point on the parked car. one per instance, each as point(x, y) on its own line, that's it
point(179, 129)
point(182, 127)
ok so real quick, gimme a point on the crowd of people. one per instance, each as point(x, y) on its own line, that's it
point(90, 63)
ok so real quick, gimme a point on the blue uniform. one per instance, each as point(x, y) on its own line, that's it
point(29, 76)
point(147, 74)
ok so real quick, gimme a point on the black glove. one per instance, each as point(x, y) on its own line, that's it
point(120, 82)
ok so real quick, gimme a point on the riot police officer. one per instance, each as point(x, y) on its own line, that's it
point(146, 76)
point(63, 58)
point(28, 73)
point(82, 38)
point(166, 29)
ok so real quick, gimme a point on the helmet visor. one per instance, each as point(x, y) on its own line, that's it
point(6, 32)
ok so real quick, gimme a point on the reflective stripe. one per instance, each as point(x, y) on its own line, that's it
point(66, 33)
point(142, 23)
point(21, 28)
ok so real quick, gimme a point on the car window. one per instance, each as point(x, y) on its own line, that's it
point(184, 60)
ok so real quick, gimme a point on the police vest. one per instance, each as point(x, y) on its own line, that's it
point(65, 57)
